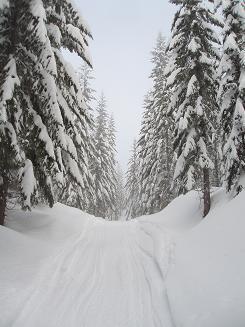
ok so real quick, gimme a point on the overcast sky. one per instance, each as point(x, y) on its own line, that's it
point(124, 33)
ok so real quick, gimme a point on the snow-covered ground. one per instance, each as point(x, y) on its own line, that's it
point(61, 267)
point(206, 286)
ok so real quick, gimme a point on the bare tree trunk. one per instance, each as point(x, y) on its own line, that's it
point(206, 192)
point(3, 201)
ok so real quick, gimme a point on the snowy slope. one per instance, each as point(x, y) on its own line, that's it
point(181, 214)
point(206, 285)
point(61, 267)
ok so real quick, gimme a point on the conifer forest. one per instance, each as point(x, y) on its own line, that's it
point(122, 163)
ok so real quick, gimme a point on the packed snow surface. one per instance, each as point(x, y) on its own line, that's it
point(71, 269)
point(61, 267)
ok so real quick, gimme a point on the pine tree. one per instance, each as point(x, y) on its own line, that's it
point(119, 194)
point(132, 184)
point(72, 194)
point(146, 158)
point(155, 142)
point(40, 98)
point(103, 167)
point(232, 95)
point(85, 79)
point(191, 75)
point(161, 171)
point(112, 168)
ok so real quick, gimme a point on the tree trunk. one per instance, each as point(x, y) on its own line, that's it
point(3, 202)
point(206, 192)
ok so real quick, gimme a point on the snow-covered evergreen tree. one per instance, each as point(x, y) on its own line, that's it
point(112, 168)
point(146, 157)
point(132, 184)
point(103, 166)
point(120, 194)
point(161, 171)
point(232, 94)
point(85, 79)
point(155, 142)
point(40, 98)
point(72, 194)
point(190, 72)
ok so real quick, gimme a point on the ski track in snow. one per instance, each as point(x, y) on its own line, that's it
point(112, 275)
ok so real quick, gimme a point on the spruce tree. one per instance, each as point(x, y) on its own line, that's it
point(146, 158)
point(85, 78)
point(103, 166)
point(161, 171)
point(40, 98)
point(119, 194)
point(232, 95)
point(155, 142)
point(191, 75)
point(132, 184)
point(112, 168)
point(73, 194)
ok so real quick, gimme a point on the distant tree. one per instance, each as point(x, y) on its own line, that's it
point(146, 158)
point(232, 95)
point(103, 166)
point(40, 98)
point(162, 172)
point(155, 142)
point(132, 184)
point(112, 168)
point(73, 194)
point(120, 194)
point(85, 78)
point(191, 75)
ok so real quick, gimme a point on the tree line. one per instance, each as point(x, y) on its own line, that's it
point(52, 145)
point(193, 129)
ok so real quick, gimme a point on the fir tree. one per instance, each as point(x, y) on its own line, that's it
point(73, 194)
point(112, 168)
point(146, 158)
point(85, 79)
point(232, 95)
point(161, 171)
point(103, 167)
point(119, 194)
point(191, 75)
point(132, 184)
point(155, 142)
point(40, 98)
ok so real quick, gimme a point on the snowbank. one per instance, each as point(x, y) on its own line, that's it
point(206, 284)
point(181, 214)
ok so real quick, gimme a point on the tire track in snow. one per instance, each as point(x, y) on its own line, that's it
point(111, 275)
point(154, 277)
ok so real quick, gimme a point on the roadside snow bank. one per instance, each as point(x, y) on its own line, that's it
point(50, 225)
point(206, 285)
point(181, 214)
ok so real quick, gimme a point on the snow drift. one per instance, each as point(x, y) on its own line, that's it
point(206, 285)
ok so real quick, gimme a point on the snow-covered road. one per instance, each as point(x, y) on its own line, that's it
point(61, 267)
point(110, 275)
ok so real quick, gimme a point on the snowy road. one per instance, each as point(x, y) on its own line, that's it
point(110, 275)
point(61, 267)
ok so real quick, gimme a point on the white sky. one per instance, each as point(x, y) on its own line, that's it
point(124, 33)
